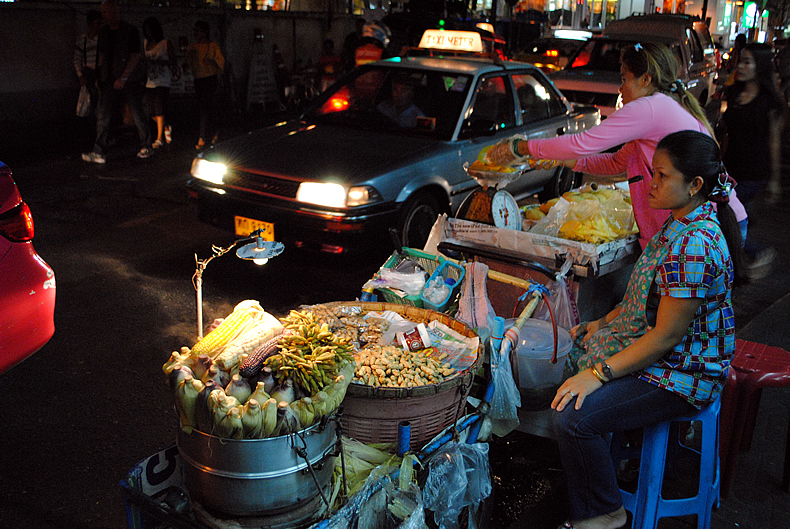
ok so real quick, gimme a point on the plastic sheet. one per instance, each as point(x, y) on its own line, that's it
point(458, 476)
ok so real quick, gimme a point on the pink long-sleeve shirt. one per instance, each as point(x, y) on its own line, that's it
point(639, 125)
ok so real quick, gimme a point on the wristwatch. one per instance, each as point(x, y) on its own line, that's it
point(607, 371)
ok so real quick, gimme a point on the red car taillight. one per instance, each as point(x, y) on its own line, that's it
point(16, 224)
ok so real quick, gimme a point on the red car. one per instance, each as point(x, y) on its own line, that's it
point(27, 283)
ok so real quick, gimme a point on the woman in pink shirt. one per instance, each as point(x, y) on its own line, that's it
point(655, 105)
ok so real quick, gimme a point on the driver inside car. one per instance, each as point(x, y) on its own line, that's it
point(400, 107)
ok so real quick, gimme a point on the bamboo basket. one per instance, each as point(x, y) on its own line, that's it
point(371, 414)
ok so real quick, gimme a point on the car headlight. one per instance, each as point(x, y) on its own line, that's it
point(208, 171)
point(335, 195)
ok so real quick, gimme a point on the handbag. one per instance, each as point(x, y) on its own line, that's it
point(84, 103)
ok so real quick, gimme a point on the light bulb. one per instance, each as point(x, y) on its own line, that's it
point(261, 261)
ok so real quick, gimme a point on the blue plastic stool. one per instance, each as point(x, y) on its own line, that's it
point(646, 504)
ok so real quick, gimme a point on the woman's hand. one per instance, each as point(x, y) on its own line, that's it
point(587, 329)
point(501, 154)
point(578, 387)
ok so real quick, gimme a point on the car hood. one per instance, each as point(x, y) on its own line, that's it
point(583, 78)
point(322, 152)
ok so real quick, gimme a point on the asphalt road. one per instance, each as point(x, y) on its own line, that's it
point(122, 240)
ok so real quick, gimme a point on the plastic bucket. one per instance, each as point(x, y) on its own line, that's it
point(534, 351)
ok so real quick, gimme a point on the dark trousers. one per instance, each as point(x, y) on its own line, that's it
point(584, 436)
point(109, 100)
point(207, 100)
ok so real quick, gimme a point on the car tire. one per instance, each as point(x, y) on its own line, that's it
point(563, 180)
point(417, 218)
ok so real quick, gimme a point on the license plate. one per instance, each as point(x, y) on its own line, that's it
point(245, 226)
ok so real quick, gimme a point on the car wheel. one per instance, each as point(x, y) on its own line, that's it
point(418, 217)
point(564, 180)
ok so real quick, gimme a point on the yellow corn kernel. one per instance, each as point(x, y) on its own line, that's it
point(213, 342)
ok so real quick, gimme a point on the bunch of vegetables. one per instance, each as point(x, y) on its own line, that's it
point(251, 377)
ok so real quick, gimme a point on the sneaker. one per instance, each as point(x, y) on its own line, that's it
point(168, 134)
point(94, 157)
point(157, 144)
point(145, 152)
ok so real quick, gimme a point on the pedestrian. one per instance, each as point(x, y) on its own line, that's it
point(206, 62)
point(655, 104)
point(782, 60)
point(328, 65)
point(373, 44)
point(160, 57)
point(121, 78)
point(350, 45)
point(648, 360)
point(85, 64)
point(752, 139)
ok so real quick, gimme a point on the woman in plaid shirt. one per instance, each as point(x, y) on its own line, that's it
point(664, 351)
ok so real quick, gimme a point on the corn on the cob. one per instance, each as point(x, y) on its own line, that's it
point(239, 388)
point(236, 322)
point(264, 329)
point(186, 398)
point(269, 422)
point(252, 419)
point(254, 361)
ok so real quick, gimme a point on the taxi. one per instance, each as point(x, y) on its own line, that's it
point(384, 147)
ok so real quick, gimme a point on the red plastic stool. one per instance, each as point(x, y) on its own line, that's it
point(754, 367)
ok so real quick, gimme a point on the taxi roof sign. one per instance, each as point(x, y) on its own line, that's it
point(442, 39)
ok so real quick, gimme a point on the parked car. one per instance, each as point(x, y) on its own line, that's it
point(593, 74)
point(550, 54)
point(27, 283)
point(338, 177)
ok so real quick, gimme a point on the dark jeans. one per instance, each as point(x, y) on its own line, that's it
point(624, 404)
point(206, 92)
point(109, 99)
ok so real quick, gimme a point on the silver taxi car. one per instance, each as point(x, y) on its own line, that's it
point(384, 147)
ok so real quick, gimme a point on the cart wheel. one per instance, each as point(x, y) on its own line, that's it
point(418, 217)
point(564, 180)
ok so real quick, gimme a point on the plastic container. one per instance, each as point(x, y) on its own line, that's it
point(534, 351)
point(446, 270)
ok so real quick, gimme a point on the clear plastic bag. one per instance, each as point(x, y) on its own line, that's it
point(566, 312)
point(474, 307)
point(506, 399)
point(458, 476)
point(410, 283)
point(84, 103)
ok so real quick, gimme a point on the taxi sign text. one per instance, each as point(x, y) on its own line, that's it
point(438, 39)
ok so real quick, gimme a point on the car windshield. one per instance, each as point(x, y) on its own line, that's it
point(412, 102)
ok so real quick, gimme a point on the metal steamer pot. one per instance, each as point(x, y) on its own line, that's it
point(258, 476)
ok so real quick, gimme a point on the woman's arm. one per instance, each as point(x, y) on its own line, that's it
point(672, 322)
point(591, 327)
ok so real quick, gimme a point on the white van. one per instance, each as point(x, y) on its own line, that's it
point(593, 73)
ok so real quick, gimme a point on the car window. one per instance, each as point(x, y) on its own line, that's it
point(695, 47)
point(600, 55)
point(536, 101)
point(414, 102)
point(494, 102)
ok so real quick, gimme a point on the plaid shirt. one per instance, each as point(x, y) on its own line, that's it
point(698, 265)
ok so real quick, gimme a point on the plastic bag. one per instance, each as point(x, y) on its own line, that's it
point(566, 312)
point(474, 308)
point(459, 476)
point(84, 103)
point(381, 503)
point(506, 399)
point(410, 283)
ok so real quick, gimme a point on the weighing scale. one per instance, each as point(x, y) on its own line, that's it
point(489, 205)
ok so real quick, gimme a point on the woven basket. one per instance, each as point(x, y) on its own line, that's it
point(371, 414)
point(429, 263)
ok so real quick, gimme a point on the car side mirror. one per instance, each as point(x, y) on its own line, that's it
point(474, 128)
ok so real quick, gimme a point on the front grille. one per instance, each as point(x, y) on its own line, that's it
point(264, 184)
point(591, 98)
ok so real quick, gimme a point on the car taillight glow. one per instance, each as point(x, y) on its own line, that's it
point(552, 53)
point(16, 224)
